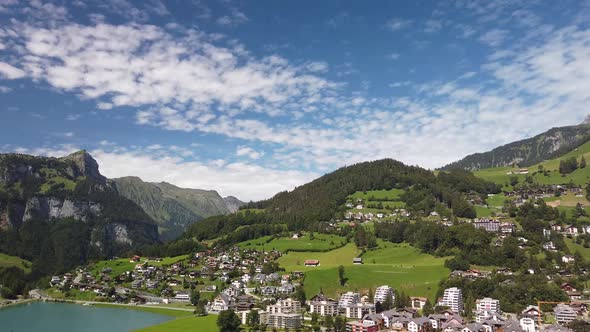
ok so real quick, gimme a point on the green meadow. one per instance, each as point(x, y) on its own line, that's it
point(574, 247)
point(580, 176)
point(190, 323)
point(398, 265)
point(320, 242)
point(9, 261)
point(389, 195)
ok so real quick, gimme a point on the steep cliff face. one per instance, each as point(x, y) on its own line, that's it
point(232, 203)
point(63, 203)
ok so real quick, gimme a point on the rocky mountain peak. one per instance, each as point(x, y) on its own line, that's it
point(586, 119)
point(85, 165)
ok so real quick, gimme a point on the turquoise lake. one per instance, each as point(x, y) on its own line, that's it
point(54, 317)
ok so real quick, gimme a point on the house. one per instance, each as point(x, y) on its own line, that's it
point(549, 246)
point(357, 260)
point(312, 262)
point(361, 326)
point(348, 298)
point(137, 283)
point(244, 303)
point(570, 230)
point(222, 302)
point(418, 302)
point(135, 259)
point(507, 228)
point(182, 296)
point(286, 289)
point(420, 324)
point(527, 324)
point(268, 290)
point(531, 311)
point(489, 225)
point(568, 259)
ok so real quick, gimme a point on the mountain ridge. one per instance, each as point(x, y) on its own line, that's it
point(529, 151)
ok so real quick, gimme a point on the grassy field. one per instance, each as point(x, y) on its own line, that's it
point(319, 243)
point(398, 265)
point(580, 176)
point(160, 311)
point(198, 324)
point(8, 261)
point(389, 195)
point(573, 247)
point(482, 211)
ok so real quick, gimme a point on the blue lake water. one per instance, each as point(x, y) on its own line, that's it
point(62, 317)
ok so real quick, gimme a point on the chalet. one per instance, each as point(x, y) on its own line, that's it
point(549, 246)
point(531, 311)
point(312, 262)
point(222, 302)
point(564, 313)
point(418, 302)
point(570, 230)
point(268, 291)
point(137, 283)
point(135, 259)
point(286, 289)
point(357, 260)
point(244, 303)
point(568, 259)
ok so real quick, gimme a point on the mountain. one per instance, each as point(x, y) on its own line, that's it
point(530, 151)
point(60, 212)
point(174, 208)
point(322, 200)
point(232, 203)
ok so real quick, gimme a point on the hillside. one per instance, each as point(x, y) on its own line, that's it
point(174, 208)
point(551, 144)
point(323, 199)
point(60, 212)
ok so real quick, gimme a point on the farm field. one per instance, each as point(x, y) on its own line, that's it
point(8, 261)
point(398, 265)
point(320, 242)
point(191, 323)
point(482, 211)
point(121, 265)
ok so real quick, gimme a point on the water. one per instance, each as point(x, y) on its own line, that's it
point(62, 317)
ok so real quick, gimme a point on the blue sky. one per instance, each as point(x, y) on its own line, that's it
point(253, 97)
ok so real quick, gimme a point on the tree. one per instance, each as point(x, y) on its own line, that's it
point(341, 275)
point(427, 309)
point(339, 324)
point(388, 303)
point(253, 318)
point(195, 297)
point(200, 308)
point(513, 180)
point(329, 322)
point(300, 295)
point(583, 162)
point(228, 321)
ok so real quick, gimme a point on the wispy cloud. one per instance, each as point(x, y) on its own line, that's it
point(396, 24)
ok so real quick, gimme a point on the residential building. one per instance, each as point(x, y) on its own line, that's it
point(222, 302)
point(382, 293)
point(361, 326)
point(487, 304)
point(527, 324)
point(284, 320)
point(452, 298)
point(359, 310)
point(489, 225)
point(282, 306)
point(349, 298)
point(420, 324)
point(418, 302)
point(564, 313)
point(323, 306)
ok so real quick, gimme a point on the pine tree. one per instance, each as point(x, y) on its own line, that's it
point(427, 309)
point(583, 162)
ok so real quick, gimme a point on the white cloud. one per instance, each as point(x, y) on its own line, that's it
point(235, 17)
point(10, 72)
point(249, 152)
point(393, 56)
point(494, 37)
point(73, 117)
point(317, 67)
point(5, 89)
point(396, 24)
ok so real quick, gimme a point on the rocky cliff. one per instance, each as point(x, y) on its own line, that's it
point(67, 207)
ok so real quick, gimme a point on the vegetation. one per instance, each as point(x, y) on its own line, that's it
point(319, 242)
point(529, 151)
point(190, 323)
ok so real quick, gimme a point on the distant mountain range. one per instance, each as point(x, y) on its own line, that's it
point(548, 145)
point(174, 208)
point(62, 211)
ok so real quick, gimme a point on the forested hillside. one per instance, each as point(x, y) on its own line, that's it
point(551, 144)
point(321, 199)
